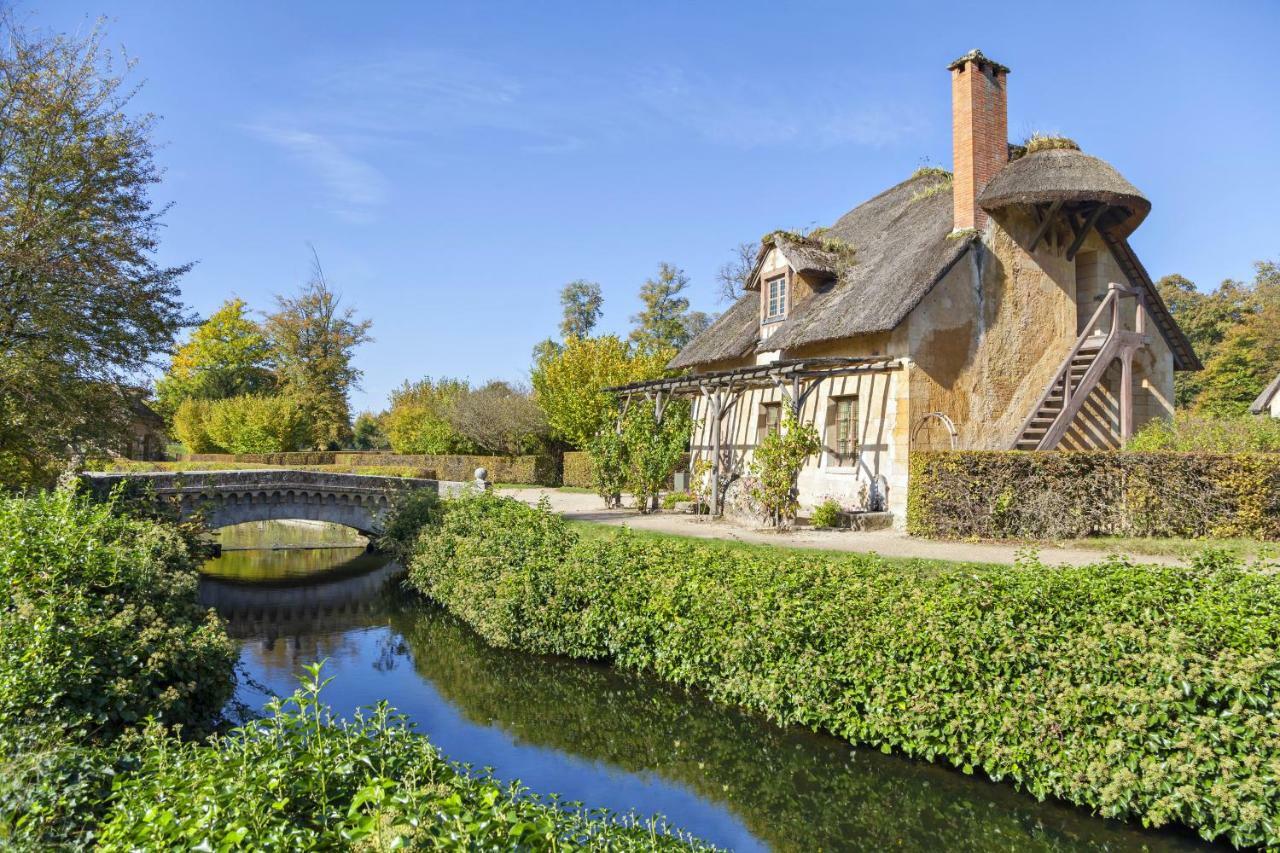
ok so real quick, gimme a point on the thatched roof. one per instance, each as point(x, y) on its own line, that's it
point(902, 244)
point(1263, 403)
point(1063, 174)
point(805, 257)
point(733, 335)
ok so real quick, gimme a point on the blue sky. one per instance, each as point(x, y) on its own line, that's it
point(455, 164)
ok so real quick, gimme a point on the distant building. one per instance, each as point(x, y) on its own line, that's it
point(997, 307)
point(1268, 402)
point(147, 438)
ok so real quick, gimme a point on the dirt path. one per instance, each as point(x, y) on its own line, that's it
point(890, 543)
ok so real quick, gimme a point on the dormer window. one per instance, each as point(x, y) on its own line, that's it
point(775, 307)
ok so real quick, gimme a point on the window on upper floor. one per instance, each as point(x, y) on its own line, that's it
point(775, 307)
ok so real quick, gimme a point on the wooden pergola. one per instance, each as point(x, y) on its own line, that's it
point(796, 379)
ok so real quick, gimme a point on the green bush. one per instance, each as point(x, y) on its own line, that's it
point(258, 424)
point(190, 426)
point(826, 514)
point(670, 499)
point(1204, 434)
point(1002, 494)
point(542, 470)
point(1142, 692)
point(99, 625)
point(299, 779)
point(578, 471)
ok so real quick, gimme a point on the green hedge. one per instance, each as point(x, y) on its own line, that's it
point(540, 470)
point(1142, 692)
point(999, 494)
point(578, 470)
point(306, 457)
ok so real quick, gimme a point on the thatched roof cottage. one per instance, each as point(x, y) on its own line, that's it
point(997, 306)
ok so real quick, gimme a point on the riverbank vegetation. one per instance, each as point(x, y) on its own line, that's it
point(112, 680)
point(1147, 693)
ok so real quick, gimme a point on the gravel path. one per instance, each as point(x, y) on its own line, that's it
point(890, 543)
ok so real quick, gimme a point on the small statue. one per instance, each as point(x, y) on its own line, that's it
point(482, 480)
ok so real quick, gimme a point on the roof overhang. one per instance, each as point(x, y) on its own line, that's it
point(1262, 405)
point(758, 376)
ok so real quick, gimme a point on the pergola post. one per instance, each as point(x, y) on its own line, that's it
point(1126, 395)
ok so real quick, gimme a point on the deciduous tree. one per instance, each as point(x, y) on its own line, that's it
point(666, 323)
point(228, 355)
point(314, 340)
point(582, 304)
point(734, 274)
point(84, 306)
point(569, 384)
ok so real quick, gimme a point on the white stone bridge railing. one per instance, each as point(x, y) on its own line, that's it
point(224, 498)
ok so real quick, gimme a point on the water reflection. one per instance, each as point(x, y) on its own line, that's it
point(611, 739)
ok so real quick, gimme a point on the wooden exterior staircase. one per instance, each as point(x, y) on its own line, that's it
point(1103, 341)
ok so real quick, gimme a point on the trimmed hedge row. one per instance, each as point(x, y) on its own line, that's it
point(1142, 692)
point(541, 470)
point(578, 470)
point(999, 494)
point(306, 457)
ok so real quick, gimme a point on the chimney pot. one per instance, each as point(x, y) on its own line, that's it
point(979, 132)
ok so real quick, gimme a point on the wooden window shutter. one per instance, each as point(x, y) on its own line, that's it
point(829, 431)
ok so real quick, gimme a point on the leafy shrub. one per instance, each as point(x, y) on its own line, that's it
point(1144, 692)
point(190, 426)
point(410, 511)
point(258, 424)
point(299, 779)
point(543, 470)
point(608, 454)
point(99, 625)
point(997, 494)
point(1204, 434)
point(578, 470)
point(670, 499)
point(826, 514)
point(777, 463)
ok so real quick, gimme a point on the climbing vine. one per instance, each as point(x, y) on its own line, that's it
point(776, 464)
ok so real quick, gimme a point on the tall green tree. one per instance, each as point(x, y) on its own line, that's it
point(666, 323)
point(420, 418)
point(84, 306)
point(1207, 319)
point(314, 340)
point(228, 355)
point(1249, 355)
point(582, 304)
point(568, 384)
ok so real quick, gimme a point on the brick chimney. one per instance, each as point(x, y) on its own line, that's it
point(979, 132)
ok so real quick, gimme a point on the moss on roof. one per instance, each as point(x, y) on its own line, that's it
point(1043, 142)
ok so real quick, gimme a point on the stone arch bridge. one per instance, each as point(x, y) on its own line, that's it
point(224, 498)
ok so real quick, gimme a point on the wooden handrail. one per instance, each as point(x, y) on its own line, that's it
point(1064, 370)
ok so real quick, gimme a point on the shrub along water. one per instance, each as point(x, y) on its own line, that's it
point(1142, 692)
point(111, 674)
point(300, 779)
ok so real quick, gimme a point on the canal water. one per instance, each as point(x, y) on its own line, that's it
point(606, 738)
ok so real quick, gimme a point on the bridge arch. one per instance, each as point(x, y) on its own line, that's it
point(225, 498)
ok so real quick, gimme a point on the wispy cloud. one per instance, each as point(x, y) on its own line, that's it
point(354, 187)
point(730, 112)
point(347, 118)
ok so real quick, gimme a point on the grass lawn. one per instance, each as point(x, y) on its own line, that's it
point(1244, 548)
point(596, 530)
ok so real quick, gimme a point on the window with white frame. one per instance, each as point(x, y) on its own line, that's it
point(775, 298)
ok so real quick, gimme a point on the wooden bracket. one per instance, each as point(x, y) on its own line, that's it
point(1048, 219)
